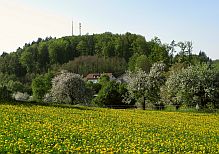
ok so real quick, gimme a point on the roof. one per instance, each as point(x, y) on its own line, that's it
point(93, 76)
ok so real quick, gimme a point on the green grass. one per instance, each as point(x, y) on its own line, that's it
point(49, 129)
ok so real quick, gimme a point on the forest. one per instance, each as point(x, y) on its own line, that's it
point(159, 73)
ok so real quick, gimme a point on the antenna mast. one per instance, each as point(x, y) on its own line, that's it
point(79, 28)
point(72, 28)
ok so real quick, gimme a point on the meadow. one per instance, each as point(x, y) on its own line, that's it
point(43, 129)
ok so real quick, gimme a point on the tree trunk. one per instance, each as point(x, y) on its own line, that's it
point(72, 100)
point(177, 106)
point(144, 106)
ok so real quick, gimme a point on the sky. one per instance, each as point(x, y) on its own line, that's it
point(23, 21)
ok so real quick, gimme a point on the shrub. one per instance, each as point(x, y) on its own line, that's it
point(111, 95)
point(5, 94)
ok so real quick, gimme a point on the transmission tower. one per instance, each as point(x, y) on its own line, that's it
point(79, 28)
point(72, 28)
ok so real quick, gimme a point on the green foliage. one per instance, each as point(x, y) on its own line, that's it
point(5, 78)
point(41, 85)
point(143, 63)
point(10, 64)
point(28, 59)
point(215, 64)
point(158, 52)
point(95, 87)
point(43, 57)
point(111, 95)
point(132, 62)
point(11, 83)
point(139, 45)
point(104, 79)
point(5, 94)
point(15, 86)
point(139, 62)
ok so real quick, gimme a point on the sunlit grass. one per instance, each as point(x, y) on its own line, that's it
point(41, 129)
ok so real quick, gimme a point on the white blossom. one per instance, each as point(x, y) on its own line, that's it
point(69, 88)
point(142, 84)
point(19, 96)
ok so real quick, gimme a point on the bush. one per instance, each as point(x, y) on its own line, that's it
point(111, 95)
point(95, 87)
point(5, 94)
point(41, 85)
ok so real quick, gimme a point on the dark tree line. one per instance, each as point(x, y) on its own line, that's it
point(86, 64)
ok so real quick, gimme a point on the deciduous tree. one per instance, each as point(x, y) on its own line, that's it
point(146, 85)
point(70, 88)
point(191, 86)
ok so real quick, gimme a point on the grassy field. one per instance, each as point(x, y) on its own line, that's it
point(40, 129)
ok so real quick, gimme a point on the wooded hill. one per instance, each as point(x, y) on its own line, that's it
point(85, 54)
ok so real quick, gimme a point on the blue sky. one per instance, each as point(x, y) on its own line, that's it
point(180, 20)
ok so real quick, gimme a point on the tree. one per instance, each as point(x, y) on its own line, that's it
point(132, 62)
point(95, 87)
point(5, 94)
point(69, 88)
point(126, 45)
point(185, 51)
point(28, 59)
point(104, 79)
point(158, 52)
point(143, 63)
point(10, 64)
point(43, 56)
point(82, 47)
point(172, 50)
point(146, 85)
point(139, 62)
point(191, 86)
point(203, 57)
point(15, 86)
point(111, 95)
point(5, 79)
point(60, 51)
point(139, 45)
point(89, 64)
point(41, 85)
point(4, 54)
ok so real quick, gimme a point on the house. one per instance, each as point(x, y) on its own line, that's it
point(93, 77)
